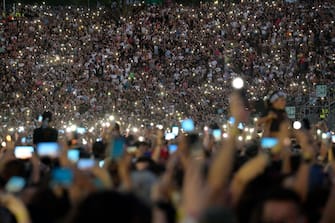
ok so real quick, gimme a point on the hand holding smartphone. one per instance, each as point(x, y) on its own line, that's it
point(85, 163)
point(15, 184)
point(48, 149)
point(23, 152)
point(62, 176)
point(217, 134)
point(73, 155)
point(269, 142)
point(188, 125)
point(172, 148)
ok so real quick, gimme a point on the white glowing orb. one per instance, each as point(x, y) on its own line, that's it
point(238, 83)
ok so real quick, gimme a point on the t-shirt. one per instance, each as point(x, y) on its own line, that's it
point(276, 122)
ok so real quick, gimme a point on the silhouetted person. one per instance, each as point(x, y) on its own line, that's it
point(45, 133)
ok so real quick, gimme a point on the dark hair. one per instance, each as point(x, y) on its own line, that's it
point(272, 96)
point(46, 206)
point(99, 150)
point(108, 204)
point(276, 194)
point(15, 167)
point(47, 116)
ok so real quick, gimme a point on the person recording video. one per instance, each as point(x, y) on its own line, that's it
point(45, 133)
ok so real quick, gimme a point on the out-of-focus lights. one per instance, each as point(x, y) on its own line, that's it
point(8, 138)
point(297, 125)
point(238, 83)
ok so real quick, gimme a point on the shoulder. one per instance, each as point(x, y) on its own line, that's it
point(37, 130)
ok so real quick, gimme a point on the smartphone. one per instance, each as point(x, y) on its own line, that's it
point(172, 148)
point(85, 163)
point(73, 155)
point(194, 142)
point(15, 184)
point(231, 120)
point(187, 125)
point(117, 148)
point(62, 176)
point(169, 136)
point(240, 126)
point(23, 152)
point(24, 140)
point(217, 134)
point(268, 142)
point(131, 149)
point(101, 163)
point(81, 130)
point(40, 118)
point(50, 149)
point(175, 130)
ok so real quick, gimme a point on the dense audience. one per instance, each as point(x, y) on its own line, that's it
point(126, 82)
point(160, 64)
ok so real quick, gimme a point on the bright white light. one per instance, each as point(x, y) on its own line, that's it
point(225, 135)
point(159, 126)
point(240, 138)
point(112, 118)
point(73, 128)
point(297, 125)
point(84, 141)
point(324, 136)
point(135, 129)
point(21, 129)
point(141, 139)
point(8, 138)
point(238, 83)
point(3, 144)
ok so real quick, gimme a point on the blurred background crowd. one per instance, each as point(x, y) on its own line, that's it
point(135, 118)
point(162, 64)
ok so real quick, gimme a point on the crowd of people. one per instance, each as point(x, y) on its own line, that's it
point(128, 81)
point(161, 64)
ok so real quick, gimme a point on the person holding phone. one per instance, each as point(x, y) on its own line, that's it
point(275, 114)
point(45, 133)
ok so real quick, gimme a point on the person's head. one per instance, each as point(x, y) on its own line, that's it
point(14, 167)
point(116, 130)
point(47, 116)
point(277, 100)
point(280, 205)
point(99, 149)
point(142, 148)
point(47, 206)
point(143, 163)
point(112, 205)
